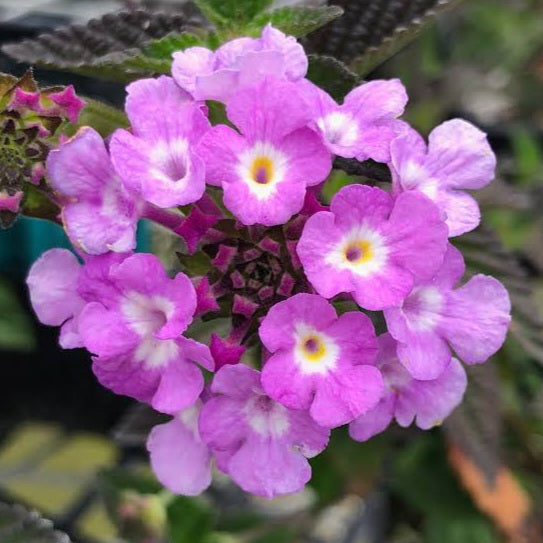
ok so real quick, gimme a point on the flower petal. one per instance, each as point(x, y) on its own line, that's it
point(80, 167)
point(460, 156)
point(181, 462)
point(374, 421)
point(430, 402)
point(352, 392)
point(52, 282)
point(268, 110)
point(476, 319)
point(268, 468)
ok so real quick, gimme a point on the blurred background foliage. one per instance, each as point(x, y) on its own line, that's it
point(479, 477)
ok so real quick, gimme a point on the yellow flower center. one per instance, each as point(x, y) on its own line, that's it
point(262, 170)
point(313, 348)
point(358, 252)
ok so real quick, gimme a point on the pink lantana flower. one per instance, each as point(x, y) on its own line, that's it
point(133, 323)
point(156, 159)
point(179, 458)
point(260, 443)
point(427, 403)
point(100, 214)
point(365, 124)
point(472, 319)
point(372, 245)
point(458, 157)
point(320, 362)
point(218, 75)
point(265, 169)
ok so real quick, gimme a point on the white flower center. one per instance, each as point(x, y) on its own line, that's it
point(146, 316)
point(339, 128)
point(266, 417)
point(261, 168)
point(422, 308)
point(362, 251)
point(315, 352)
point(170, 160)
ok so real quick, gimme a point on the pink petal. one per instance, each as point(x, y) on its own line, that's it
point(268, 468)
point(352, 392)
point(181, 462)
point(374, 421)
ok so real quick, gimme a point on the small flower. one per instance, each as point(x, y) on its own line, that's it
point(406, 399)
point(320, 362)
point(179, 458)
point(100, 215)
point(372, 246)
point(261, 444)
point(10, 202)
point(472, 319)
point(133, 321)
point(458, 157)
point(52, 282)
point(365, 124)
point(156, 159)
point(265, 171)
point(218, 75)
point(65, 101)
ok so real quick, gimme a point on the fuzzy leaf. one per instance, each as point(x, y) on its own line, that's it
point(371, 31)
point(18, 525)
point(298, 20)
point(476, 426)
point(331, 75)
point(163, 48)
point(118, 46)
point(223, 12)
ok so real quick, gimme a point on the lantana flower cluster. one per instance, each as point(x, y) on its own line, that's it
point(353, 313)
point(32, 120)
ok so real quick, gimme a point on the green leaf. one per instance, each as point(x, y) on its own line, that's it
point(224, 12)
point(18, 525)
point(163, 48)
point(196, 264)
point(278, 534)
point(189, 520)
point(16, 329)
point(424, 481)
point(297, 21)
point(403, 32)
point(102, 117)
point(332, 75)
point(37, 204)
point(449, 527)
point(113, 481)
point(119, 46)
